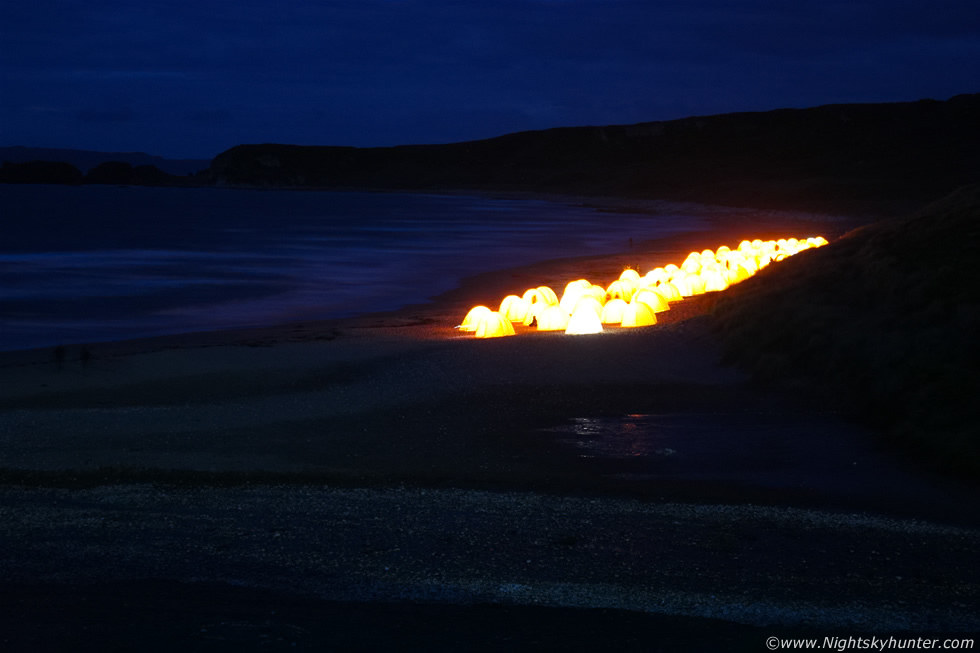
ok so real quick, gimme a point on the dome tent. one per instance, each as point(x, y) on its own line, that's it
point(533, 296)
point(548, 294)
point(629, 274)
point(573, 292)
point(697, 284)
point(472, 319)
point(637, 315)
point(589, 301)
point(653, 277)
point(584, 320)
point(541, 294)
point(683, 285)
point(612, 312)
point(598, 292)
point(657, 302)
point(620, 289)
point(538, 300)
point(494, 325)
point(552, 318)
point(713, 280)
point(669, 291)
point(514, 308)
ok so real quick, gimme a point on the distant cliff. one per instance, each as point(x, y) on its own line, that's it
point(85, 160)
point(122, 173)
point(856, 156)
point(39, 172)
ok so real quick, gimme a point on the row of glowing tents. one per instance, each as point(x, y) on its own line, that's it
point(632, 300)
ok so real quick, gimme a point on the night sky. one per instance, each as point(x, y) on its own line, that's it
point(186, 78)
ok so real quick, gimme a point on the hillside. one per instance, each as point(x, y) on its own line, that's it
point(884, 320)
point(868, 158)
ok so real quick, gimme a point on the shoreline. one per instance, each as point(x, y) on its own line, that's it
point(260, 364)
point(485, 285)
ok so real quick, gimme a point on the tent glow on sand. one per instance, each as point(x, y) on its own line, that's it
point(631, 300)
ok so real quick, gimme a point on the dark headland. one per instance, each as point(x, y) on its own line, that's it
point(796, 456)
point(835, 158)
point(848, 158)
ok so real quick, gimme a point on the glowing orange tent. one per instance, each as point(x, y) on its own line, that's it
point(533, 296)
point(630, 274)
point(683, 285)
point(548, 294)
point(533, 311)
point(697, 283)
point(514, 308)
point(669, 291)
point(598, 292)
point(620, 289)
point(584, 320)
point(653, 277)
point(541, 294)
point(537, 300)
point(691, 265)
point(494, 325)
point(472, 319)
point(638, 314)
point(741, 274)
point(612, 312)
point(588, 301)
point(552, 318)
point(573, 292)
point(713, 280)
point(653, 299)
point(578, 283)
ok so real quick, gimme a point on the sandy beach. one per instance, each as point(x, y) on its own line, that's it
point(390, 467)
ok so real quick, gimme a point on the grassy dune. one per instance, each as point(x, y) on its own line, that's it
point(885, 320)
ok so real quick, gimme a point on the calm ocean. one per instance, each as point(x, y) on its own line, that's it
point(96, 263)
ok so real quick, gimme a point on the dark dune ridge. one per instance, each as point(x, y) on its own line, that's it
point(885, 320)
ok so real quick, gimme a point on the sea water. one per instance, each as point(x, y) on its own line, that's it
point(95, 263)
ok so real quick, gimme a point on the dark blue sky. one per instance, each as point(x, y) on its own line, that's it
point(184, 78)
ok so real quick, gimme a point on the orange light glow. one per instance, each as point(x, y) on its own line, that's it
point(631, 300)
point(494, 325)
point(612, 312)
point(553, 318)
point(657, 302)
point(638, 315)
point(472, 319)
point(585, 319)
point(514, 308)
point(629, 274)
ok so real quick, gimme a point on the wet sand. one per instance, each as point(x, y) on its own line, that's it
point(389, 461)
